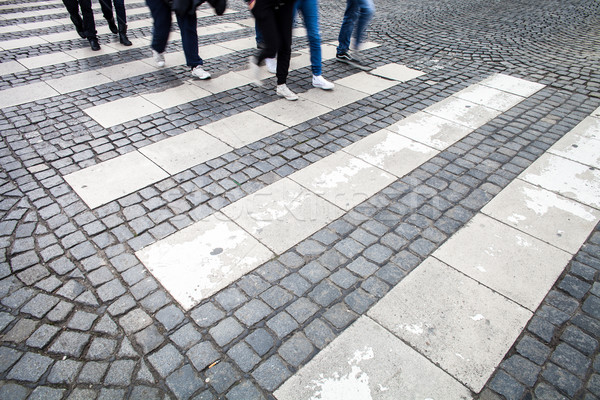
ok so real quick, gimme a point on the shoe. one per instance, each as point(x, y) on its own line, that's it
point(354, 61)
point(284, 91)
point(271, 65)
point(159, 58)
point(112, 26)
point(199, 73)
point(124, 39)
point(254, 70)
point(94, 44)
point(319, 82)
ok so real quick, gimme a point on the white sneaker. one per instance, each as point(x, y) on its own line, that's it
point(319, 82)
point(254, 71)
point(199, 73)
point(284, 91)
point(159, 58)
point(271, 65)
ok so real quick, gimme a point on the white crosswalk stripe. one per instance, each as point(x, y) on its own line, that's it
point(311, 198)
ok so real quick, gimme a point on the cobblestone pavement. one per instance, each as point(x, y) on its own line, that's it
point(82, 317)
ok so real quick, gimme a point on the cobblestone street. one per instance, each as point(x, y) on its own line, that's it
point(428, 229)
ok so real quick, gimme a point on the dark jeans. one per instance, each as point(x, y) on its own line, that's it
point(87, 25)
point(161, 14)
point(274, 22)
point(107, 11)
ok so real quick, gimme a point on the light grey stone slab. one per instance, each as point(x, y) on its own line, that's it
point(545, 215)
point(463, 112)
point(581, 144)
point(46, 59)
point(222, 83)
point(240, 44)
point(290, 113)
point(393, 153)
point(24, 42)
point(122, 110)
point(397, 72)
point(87, 52)
point(72, 83)
point(300, 60)
point(282, 214)
point(462, 326)
point(430, 130)
point(342, 179)
point(213, 51)
point(201, 259)
point(333, 99)
point(25, 94)
point(489, 97)
point(64, 36)
point(509, 261)
point(368, 362)
point(569, 178)
point(11, 67)
point(224, 27)
point(242, 129)
point(367, 83)
point(596, 113)
point(176, 96)
point(126, 70)
point(184, 151)
point(512, 84)
point(115, 178)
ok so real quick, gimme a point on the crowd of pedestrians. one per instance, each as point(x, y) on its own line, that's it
point(273, 23)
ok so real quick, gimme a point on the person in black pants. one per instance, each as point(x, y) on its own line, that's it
point(274, 21)
point(161, 15)
point(86, 27)
point(107, 11)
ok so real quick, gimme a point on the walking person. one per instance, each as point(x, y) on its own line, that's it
point(86, 26)
point(356, 19)
point(310, 15)
point(161, 14)
point(274, 21)
point(107, 11)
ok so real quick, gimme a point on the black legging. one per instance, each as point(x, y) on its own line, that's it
point(89, 26)
point(274, 21)
point(107, 11)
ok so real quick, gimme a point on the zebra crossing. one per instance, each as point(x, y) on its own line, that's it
point(416, 344)
point(488, 278)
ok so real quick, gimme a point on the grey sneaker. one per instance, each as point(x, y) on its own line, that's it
point(159, 58)
point(284, 91)
point(351, 60)
point(199, 73)
point(254, 70)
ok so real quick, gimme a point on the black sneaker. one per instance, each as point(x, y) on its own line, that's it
point(348, 59)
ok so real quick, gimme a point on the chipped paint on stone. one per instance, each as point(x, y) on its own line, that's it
point(540, 202)
point(353, 385)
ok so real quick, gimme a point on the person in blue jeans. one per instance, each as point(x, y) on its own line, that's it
point(310, 15)
point(356, 18)
point(161, 14)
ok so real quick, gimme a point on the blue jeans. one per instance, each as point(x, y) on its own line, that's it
point(310, 14)
point(161, 14)
point(356, 18)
